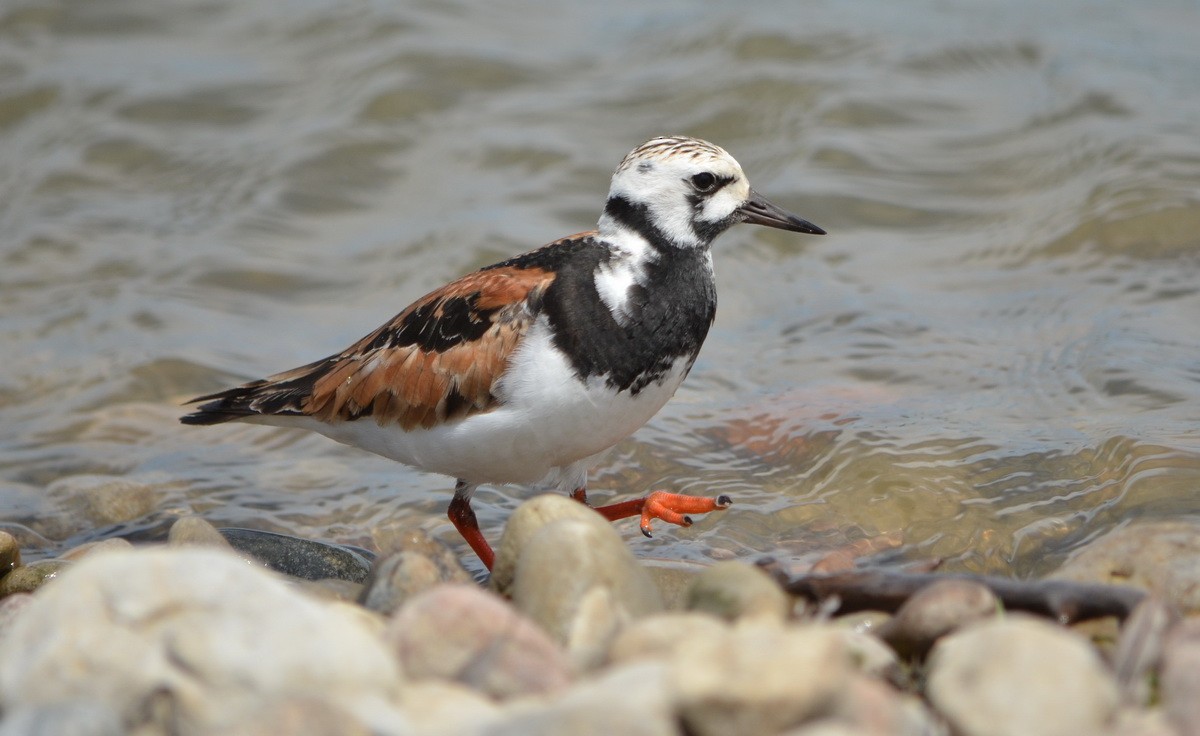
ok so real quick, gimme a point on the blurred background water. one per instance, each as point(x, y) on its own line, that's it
point(992, 358)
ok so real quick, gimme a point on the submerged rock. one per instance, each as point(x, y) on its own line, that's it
point(102, 499)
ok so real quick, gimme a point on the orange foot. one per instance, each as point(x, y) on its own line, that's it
point(670, 507)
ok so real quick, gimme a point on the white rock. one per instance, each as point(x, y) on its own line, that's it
point(575, 576)
point(661, 635)
point(1020, 676)
point(631, 700)
point(186, 640)
point(758, 678)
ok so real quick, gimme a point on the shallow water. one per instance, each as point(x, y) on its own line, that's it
point(991, 359)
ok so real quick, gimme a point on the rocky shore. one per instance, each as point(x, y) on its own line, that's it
point(571, 636)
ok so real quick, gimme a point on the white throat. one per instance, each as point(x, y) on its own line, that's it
point(631, 255)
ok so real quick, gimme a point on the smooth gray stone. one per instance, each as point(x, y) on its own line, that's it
point(301, 558)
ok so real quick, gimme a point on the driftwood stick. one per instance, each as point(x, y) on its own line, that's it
point(881, 590)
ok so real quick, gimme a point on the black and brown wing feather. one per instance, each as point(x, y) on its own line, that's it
point(439, 359)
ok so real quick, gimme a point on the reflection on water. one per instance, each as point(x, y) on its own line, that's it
point(991, 359)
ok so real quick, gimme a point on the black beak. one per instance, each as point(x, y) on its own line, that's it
point(758, 211)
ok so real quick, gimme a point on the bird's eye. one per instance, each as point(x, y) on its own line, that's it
point(704, 181)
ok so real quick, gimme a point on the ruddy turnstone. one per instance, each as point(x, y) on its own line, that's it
point(529, 370)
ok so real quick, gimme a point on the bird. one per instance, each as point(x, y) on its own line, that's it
point(529, 370)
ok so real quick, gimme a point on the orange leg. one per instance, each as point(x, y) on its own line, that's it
point(463, 517)
point(670, 507)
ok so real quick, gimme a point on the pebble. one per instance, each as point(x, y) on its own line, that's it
point(185, 640)
point(67, 718)
point(1140, 648)
point(869, 706)
point(459, 633)
point(871, 656)
point(414, 564)
point(189, 638)
point(575, 577)
point(1020, 676)
point(10, 553)
point(307, 559)
point(933, 612)
point(1180, 678)
point(733, 590)
point(195, 531)
point(1162, 557)
point(443, 707)
point(28, 578)
point(526, 522)
point(630, 700)
point(103, 499)
point(661, 635)
point(758, 678)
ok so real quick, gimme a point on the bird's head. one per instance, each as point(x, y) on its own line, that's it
point(685, 192)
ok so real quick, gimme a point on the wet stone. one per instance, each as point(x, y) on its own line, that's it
point(195, 531)
point(415, 564)
point(301, 558)
point(103, 500)
point(10, 553)
point(934, 611)
point(1020, 676)
point(462, 634)
point(733, 590)
point(28, 578)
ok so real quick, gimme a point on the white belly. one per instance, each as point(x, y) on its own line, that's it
point(547, 422)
